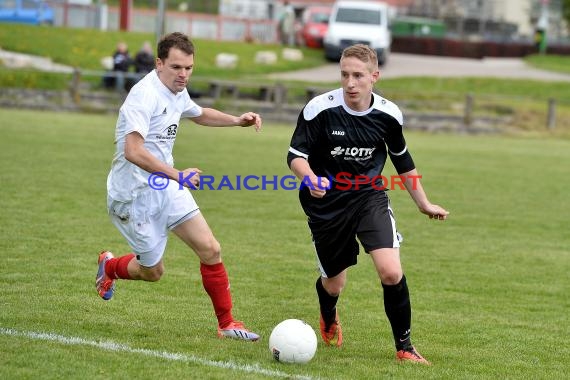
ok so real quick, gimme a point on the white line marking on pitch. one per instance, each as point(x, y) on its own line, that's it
point(113, 346)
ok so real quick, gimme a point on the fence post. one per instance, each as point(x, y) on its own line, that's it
point(75, 83)
point(551, 118)
point(468, 112)
point(119, 81)
point(280, 96)
point(310, 93)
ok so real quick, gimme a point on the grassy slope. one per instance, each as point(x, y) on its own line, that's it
point(559, 63)
point(84, 48)
point(523, 102)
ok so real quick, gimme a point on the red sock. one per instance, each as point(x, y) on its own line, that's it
point(217, 285)
point(117, 267)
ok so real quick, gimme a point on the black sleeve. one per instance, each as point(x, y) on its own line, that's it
point(302, 139)
point(398, 151)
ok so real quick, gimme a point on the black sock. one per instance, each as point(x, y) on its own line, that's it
point(327, 304)
point(399, 311)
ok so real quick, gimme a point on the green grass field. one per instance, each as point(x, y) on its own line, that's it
point(489, 286)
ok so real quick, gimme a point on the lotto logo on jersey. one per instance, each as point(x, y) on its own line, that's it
point(353, 153)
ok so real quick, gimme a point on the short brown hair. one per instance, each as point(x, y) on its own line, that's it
point(174, 40)
point(362, 52)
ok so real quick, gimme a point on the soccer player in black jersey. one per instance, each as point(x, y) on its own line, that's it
point(338, 151)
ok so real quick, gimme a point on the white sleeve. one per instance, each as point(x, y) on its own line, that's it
point(137, 111)
point(192, 109)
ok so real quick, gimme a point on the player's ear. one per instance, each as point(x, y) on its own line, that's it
point(375, 75)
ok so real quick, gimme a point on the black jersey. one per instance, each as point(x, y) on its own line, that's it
point(347, 147)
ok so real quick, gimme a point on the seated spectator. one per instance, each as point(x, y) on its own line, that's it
point(144, 59)
point(121, 63)
point(121, 58)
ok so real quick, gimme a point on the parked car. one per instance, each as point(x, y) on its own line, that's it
point(36, 12)
point(353, 22)
point(314, 25)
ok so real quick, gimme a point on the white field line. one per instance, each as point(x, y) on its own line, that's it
point(113, 346)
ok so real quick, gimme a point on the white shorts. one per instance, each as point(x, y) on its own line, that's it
point(146, 220)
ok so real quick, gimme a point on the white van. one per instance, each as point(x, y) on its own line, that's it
point(353, 22)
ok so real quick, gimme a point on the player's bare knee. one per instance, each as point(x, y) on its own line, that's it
point(391, 277)
point(153, 274)
point(333, 288)
point(210, 253)
point(335, 291)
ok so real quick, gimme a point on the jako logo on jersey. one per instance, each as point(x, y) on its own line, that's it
point(338, 133)
point(353, 153)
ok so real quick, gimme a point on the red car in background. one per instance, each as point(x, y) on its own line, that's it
point(314, 24)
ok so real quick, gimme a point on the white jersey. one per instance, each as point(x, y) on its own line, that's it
point(152, 110)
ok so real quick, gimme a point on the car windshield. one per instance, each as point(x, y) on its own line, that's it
point(358, 16)
point(320, 18)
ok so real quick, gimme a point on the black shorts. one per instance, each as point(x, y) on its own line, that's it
point(369, 218)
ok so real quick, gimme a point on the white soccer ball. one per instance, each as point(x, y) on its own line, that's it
point(293, 341)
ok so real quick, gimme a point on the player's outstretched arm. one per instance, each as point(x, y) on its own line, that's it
point(415, 189)
point(213, 118)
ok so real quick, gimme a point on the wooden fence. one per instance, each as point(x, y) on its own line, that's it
point(282, 103)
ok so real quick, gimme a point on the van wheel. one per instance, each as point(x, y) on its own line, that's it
point(383, 59)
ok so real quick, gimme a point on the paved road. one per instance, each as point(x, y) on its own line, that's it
point(399, 65)
point(409, 65)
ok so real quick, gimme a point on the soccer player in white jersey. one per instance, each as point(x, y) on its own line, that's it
point(339, 148)
point(145, 206)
